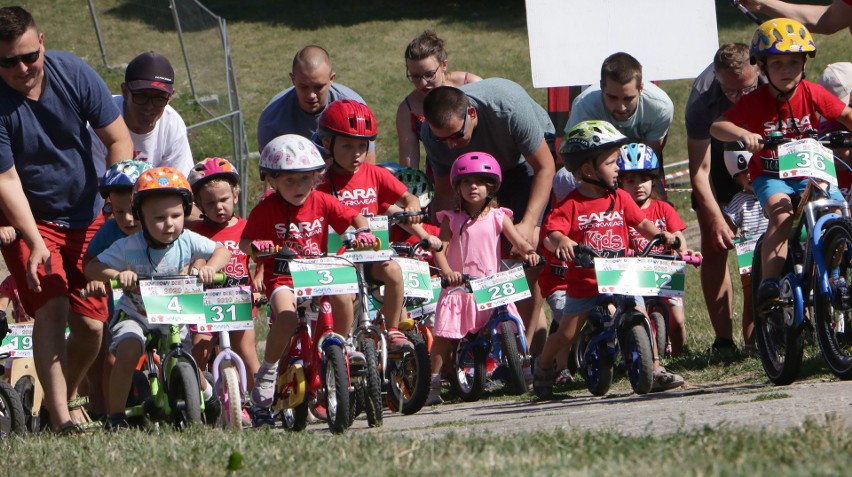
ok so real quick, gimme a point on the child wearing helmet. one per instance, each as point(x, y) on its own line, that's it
point(748, 221)
point(215, 187)
point(346, 128)
point(471, 237)
point(161, 199)
point(788, 104)
point(638, 168)
point(596, 214)
point(295, 216)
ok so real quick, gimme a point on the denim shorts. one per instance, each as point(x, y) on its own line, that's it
point(576, 306)
point(766, 186)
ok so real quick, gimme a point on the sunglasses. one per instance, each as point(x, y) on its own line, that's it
point(143, 99)
point(26, 58)
point(458, 134)
point(736, 93)
point(429, 76)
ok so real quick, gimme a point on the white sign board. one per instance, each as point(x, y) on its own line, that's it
point(569, 39)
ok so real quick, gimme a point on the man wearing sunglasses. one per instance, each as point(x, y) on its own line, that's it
point(715, 90)
point(157, 130)
point(48, 190)
point(496, 116)
point(297, 109)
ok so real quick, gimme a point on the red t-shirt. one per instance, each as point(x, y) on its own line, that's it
point(303, 229)
point(10, 289)
point(664, 217)
point(758, 112)
point(369, 191)
point(238, 268)
point(583, 220)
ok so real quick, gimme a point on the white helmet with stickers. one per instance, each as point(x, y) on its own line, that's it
point(736, 161)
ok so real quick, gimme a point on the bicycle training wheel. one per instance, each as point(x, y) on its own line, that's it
point(834, 325)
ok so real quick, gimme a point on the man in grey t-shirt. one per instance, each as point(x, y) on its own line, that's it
point(717, 88)
point(297, 109)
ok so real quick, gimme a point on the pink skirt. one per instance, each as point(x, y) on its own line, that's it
point(456, 315)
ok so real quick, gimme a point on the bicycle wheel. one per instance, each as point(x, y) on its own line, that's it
point(658, 324)
point(594, 362)
point(834, 324)
point(373, 403)
point(408, 377)
point(468, 376)
point(184, 396)
point(780, 345)
point(511, 358)
point(336, 388)
point(296, 419)
point(12, 419)
point(25, 387)
point(231, 397)
point(638, 358)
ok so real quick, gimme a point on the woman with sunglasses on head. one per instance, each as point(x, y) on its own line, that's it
point(426, 68)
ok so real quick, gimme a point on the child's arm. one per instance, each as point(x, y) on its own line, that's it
point(364, 237)
point(217, 261)
point(560, 245)
point(519, 242)
point(725, 130)
point(845, 118)
point(454, 278)
point(97, 270)
point(649, 230)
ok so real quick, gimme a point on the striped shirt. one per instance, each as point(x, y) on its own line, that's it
point(746, 214)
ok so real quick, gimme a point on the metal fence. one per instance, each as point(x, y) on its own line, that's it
point(126, 28)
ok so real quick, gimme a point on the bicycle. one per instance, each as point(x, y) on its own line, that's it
point(168, 388)
point(509, 349)
point(22, 375)
point(315, 369)
point(616, 328)
point(815, 281)
point(12, 417)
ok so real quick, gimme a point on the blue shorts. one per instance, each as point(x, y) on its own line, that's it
point(577, 306)
point(766, 186)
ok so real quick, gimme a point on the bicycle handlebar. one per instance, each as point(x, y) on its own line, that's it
point(833, 140)
point(402, 216)
point(114, 284)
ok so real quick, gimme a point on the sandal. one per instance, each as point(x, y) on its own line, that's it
point(88, 424)
point(543, 379)
point(664, 380)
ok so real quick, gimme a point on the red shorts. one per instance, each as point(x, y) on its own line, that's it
point(67, 247)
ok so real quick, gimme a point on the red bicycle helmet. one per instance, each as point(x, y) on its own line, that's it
point(348, 118)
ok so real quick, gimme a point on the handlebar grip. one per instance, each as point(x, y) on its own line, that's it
point(676, 243)
point(692, 259)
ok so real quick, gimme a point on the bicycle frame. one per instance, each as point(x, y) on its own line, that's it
point(609, 325)
point(486, 337)
point(226, 354)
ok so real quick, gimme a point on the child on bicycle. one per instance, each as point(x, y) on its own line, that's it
point(346, 128)
point(748, 221)
point(638, 168)
point(161, 199)
point(788, 104)
point(295, 216)
point(215, 187)
point(471, 237)
point(597, 214)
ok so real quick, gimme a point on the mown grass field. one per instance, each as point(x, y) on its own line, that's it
point(366, 41)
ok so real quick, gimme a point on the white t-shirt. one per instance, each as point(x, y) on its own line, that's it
point(165, 146)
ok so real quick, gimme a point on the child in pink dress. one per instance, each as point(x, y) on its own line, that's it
point(471, 236)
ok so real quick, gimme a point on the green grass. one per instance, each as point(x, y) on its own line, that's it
point(808, 450)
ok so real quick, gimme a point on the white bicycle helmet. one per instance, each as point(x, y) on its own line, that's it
point(736, 161)
point(290, 153)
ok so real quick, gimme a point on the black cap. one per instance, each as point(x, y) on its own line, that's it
point(150, 70)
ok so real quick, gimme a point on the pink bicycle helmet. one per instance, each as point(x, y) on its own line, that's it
point(479, 163)
point(212, 168)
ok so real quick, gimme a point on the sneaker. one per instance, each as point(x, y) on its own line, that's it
point(564, 377)
point(263, 392)
point(664, 380)
point(434, 392)
point(245, 419)
point(770, 289)
point(397, 341)
point(212, 410)
point(543, 381)
point(261, 416)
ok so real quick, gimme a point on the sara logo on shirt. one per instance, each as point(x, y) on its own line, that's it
point(601, 219)
point(302, 229)
point(358, 196)
point(789, 125)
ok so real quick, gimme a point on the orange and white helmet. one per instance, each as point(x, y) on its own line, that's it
point(290, 153)
point(160, 180)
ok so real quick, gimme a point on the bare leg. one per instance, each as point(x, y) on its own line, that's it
point(127, 354)
point(50, 356)
point(716, 282)
point(244, 345)
point(532, 314)
point(84, 344)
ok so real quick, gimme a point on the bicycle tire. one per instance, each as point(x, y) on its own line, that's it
point(658, 324)
point(231, 397)
point(512, 359)
point(834, 327)
point(596, 366)
point(468, 376)
point(373, 403)
point(780, 347)
point(638, 358)
point(25, 387)
point(336, 384)
point(184, 396)
point(296, 419)
point(12, 420)
point(409, 377)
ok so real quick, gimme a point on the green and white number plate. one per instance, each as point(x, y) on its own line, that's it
point(322, 277)
point(745, 253)
point(379, 226)
point(640, 276)
point(178, 301)
point(227, 309)
point(429, 307)
point(417, 283)
point(806, 158)
point(19, 341)
point(500, 289)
